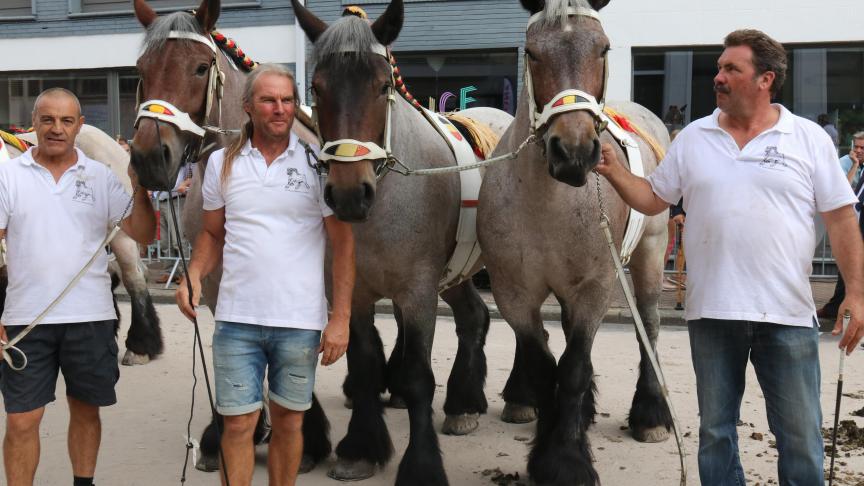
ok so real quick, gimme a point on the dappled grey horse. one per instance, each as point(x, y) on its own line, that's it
point(539, 228)
point(405, 235)
point(181, 67)
point(144, 339)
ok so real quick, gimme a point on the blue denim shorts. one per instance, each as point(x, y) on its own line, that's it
point(243, 352)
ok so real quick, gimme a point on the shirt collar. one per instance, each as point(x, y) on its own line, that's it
point(27, 158)
point(785, 124)
point(292, 145)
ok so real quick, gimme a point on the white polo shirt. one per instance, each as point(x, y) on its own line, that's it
point(52, 230)
point(749, 236)
point(273, 260)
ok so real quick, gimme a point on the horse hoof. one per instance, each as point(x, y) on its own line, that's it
point(207, 464)
point(307, 463)
point(461, 424)
point(132, 359)
point(346, 470)
point(652, 435)
point(397, 402)
point(518, 414)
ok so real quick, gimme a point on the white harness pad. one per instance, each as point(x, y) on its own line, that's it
point(636, 220)
point(467, 250)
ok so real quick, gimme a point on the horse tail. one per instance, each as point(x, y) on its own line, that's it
point(482, 139)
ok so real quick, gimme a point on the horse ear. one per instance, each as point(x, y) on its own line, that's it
point(144, 13)
point(312, 25)
point(208, 13)
point(598, 4)
point(533, 6)
point(388, 25)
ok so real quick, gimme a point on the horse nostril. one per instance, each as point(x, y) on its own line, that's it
point(595, 151)
point(557, 149)
point(328, 195)
point(368, 192)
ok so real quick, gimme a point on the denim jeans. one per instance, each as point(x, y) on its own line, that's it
point(786, 361)
point(242, 353)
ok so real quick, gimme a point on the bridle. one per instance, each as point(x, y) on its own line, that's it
point(569, 99)
point(347, 150)
point(161, 110)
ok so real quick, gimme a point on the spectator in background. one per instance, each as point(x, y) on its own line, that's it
point(121, 140)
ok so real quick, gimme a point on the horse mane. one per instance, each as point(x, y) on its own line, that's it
point(555, 12)
point(349, 34)
point(158, 32)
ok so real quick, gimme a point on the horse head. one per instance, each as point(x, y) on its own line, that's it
point(353, 90)
point(180, 79)
point(566, 69)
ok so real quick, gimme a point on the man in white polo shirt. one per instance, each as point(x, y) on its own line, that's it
point(55, 207)
point(753, 175)
point(265, 218)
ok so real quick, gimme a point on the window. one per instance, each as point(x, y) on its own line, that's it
point(16, 8)
point(97, 6)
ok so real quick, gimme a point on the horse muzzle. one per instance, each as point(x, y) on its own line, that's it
point(154, 168)
point(351, 204)
point(571, 163)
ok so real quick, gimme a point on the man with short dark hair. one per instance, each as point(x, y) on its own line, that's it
point(265, 218)
point(55, 207)
point(753, 176)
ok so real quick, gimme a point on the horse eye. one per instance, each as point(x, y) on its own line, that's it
point(202, 69)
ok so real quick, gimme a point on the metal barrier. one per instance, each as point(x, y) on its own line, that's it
point(164, 248)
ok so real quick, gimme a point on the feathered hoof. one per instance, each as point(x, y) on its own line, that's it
point(132, 359)
point(652, 435)
point(462, 424)
point(518, 414)
point(207, 463)
point(307, 463)
point(397, 402)
point(346, 470)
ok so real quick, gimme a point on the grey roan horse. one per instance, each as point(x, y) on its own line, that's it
point(538, 225)
point(406, 237)
point(177, 70)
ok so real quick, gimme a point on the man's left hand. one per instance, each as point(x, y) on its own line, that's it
point(855, 330)
point(334, 340)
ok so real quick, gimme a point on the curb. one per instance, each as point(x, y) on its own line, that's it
point(615, 315)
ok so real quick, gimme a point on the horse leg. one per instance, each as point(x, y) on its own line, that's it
point(316, 437)
point(649, 419)
point(465, 398)
point(394, 364)
point(208, 461)
point(422, 464)
point(561, 452)
point(520, 402)
point(367, 442)
point(144, 340)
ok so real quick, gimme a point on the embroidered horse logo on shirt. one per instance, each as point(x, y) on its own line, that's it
point(296, 181)
point(773, 159)
point(83, 192)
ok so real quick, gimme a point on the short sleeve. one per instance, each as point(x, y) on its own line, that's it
point(831, 189)
point(5, 203)
point(118, 198)
point(211, 188)
point(666, 179)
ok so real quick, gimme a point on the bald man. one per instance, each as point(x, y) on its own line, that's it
point(55, 206)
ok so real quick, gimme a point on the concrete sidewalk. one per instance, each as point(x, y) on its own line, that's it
point(618, 311)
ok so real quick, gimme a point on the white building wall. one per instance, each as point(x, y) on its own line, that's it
point(645, 23)
point(263, 44)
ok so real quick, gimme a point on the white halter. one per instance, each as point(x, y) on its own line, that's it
point(569, 99)
point(165, 111)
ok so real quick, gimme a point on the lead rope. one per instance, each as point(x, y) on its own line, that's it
point(9, 347)
point(640, 328)
point(195, 341)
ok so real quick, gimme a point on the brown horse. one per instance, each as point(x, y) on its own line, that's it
point(538, 224)
point(182, 69)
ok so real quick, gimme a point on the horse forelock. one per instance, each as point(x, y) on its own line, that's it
point(160, 30)
point(555, 13)
point(347, 35)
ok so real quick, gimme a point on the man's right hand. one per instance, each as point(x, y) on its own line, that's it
point(854, 158)
point(182, 297)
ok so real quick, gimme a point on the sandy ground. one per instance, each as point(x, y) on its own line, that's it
point(143, 435)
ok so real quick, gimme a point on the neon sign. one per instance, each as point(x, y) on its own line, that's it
point(464, 99)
